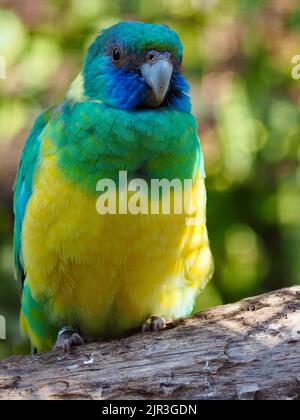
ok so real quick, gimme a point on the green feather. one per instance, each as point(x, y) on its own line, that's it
point(24, 186)
point(92, 141)
point(142, 36)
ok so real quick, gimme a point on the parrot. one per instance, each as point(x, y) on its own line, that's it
point(84, 273)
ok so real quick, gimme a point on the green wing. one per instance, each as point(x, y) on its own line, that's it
point(24, 187)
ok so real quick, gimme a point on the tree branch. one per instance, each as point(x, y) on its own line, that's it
point(247, 350)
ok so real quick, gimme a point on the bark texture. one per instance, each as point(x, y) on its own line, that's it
point(247, 350)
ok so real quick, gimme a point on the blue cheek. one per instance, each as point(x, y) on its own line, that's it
point(119, 88)
point(124, 89)
point(178, 97)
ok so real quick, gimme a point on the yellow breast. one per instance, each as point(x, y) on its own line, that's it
point(108, 273)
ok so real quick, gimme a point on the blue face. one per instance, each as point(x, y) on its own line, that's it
point(135, 65)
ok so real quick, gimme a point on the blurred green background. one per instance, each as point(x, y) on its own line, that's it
point(238, 58)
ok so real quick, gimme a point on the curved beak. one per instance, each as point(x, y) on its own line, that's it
point(157, 75)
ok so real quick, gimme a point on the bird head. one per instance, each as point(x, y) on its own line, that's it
point(134, 65)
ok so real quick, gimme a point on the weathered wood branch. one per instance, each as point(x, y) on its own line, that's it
point(247, 350)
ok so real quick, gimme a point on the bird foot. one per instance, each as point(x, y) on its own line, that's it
point(154, 323)
point(67, 339)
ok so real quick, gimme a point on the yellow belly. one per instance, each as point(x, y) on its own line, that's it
point(108, 273)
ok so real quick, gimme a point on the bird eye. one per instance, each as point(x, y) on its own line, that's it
point(116, 55)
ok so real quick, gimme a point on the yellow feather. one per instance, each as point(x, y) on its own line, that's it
point(109, 273)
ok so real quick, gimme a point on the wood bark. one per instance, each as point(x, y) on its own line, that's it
point(247, 350)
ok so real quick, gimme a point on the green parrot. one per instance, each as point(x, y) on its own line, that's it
point(88, 273)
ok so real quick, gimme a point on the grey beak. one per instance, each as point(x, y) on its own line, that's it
point(158, 76)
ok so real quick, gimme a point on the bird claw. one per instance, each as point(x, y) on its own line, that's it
point(154, 324)
point(66, 340)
